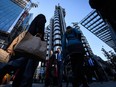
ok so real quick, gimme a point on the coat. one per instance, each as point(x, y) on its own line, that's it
point(10, 49)
point(72, 42)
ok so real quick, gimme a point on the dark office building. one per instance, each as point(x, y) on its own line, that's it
point(107, 9)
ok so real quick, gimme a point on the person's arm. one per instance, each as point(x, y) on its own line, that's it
point(10, 49)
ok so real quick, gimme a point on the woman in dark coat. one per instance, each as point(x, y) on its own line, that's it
point(25, 63)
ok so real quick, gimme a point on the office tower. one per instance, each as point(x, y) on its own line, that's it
point(12, 14)
point(26, 23)
point(59, 26)
point(55, 30)
point(9, 12)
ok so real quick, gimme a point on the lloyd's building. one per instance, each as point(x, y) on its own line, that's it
point(55, 30)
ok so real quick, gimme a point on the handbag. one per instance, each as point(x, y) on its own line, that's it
point(32, 45)
point(4, 56)
point(15, 42)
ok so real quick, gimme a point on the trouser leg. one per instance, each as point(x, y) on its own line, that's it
point(20, 64)
point(75, 81)
point(77, 69)
point(18, 77)
point(60, 71)
point(11, 66)
point(29, 72)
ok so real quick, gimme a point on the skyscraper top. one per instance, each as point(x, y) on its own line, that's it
point(21, 3)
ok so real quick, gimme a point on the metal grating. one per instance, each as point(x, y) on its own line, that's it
point(95, 24)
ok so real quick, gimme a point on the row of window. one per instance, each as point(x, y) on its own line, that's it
point(8, 14)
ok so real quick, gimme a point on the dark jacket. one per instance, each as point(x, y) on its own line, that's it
point(72, 42)
point(37, 26)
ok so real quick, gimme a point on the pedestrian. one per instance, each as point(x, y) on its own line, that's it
point(89, 69)
point(47, 76)
point(72, 42)
point(60, 66)
point(26, 63)
point(51, 74)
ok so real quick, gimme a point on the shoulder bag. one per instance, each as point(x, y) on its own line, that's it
point(32, 45)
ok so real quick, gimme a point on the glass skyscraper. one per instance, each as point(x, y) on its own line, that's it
point(26, 23)
point(9, 12)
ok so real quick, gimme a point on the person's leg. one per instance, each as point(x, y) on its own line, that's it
point(29, 72)
point(18, 77)
point(77, 69)
point(60, 66)
point(20, 63)
point(61, 73)
point(74, 62)
point(11, 65)
point(47, 77)
point(80, 70)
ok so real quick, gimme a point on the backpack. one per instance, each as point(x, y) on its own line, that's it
point(75, 48)
point(75, 34)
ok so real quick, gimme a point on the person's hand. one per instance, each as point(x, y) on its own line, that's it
point(11, 52)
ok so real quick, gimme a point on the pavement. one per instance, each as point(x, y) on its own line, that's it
point(94, 84)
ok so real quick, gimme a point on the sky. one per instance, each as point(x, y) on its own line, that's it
point(76, 10)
